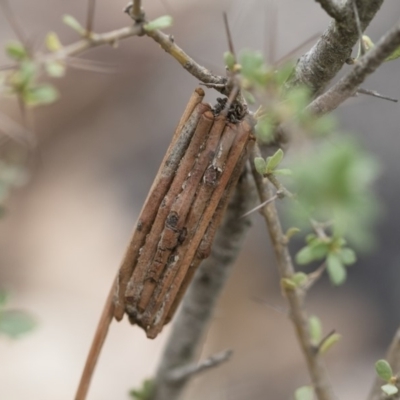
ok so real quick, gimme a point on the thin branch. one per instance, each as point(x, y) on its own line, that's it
point(332, 9)
point(316, 368)
point(137, 12)
point(189, 371)
point(393, 358)
point(96, 346)
point(198, 71)
point(199, 303)
point(90, 16)
point(376, 94)
point(321, 64)
point(364, 67)
point(229, 35)
point(363, 50)
point(273, 198)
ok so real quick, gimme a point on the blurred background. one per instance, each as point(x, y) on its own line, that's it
point(99, 147)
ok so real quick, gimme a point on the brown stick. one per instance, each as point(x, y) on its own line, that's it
point(96, 346)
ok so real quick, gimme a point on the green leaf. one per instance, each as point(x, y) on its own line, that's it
point(383, 370)
point(299, 278)
point(304, 393)
point(253, 67)
point(229, 60)
point(347, 256)
point(329, 342)
point(159, 23)
point(265, 128)
point(71, 21)
point(291, 232)
point(43, 94)
point(15, 323)
point(260, 165)
point(248, 96)
point(317, 250)
point(16, 51)
point(274, 160)
point(287, 283)
point(394, 55)
point(145, 391)
point(336, 270)
point(55, 69)
point(315, 329)
point(24, 77)
point(283, 172)
point(389, 389)
point(53, 42)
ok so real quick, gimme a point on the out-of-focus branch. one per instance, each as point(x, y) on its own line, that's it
point(393, 358)
point(188, 371)
point(374, 93)
point(364, 67)
point(316, 368)
point(199, 303)
point(319, 65)
point(195, 69)
point(332, 9)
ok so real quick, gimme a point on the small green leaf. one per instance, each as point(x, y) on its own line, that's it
point(383, 370)
point(248, 96)
point(329, 342)
point(71, 21)
point(274, 160)
point(16, 51)
point(299, 278)
point(315, 328)
point(316, 250)
point(144, 392)
point(260, 165)
point(291, 232)
point(287, 283)
point(55, 69)
point(15, 323)
point(229, 60)
point(389, 389)
point(43, 94)
point(336, 270)
point(265, 128)
point(283, 172)
point(347, 256)
point(53, 42)
point(394, 55)
point(159, 23)
point(304, 393)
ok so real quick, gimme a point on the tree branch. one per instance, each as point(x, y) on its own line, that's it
point(188, 371)
point(319, 65)
point(332, 9)
point(364, 67)
point(316, 368)
point(393, 358)
point(374, 93)
point(199, 302)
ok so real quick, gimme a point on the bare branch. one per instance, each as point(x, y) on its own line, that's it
point(273, 198)
point(188, 371)
point(332, 9)
point(198, 71)
point(319, 65)
point(393, 358)
point(90, 16)
point(376, 94)
point(96, 346)
point(199, 302)
point(316, 368)
point(229, 35)
point(364, 67)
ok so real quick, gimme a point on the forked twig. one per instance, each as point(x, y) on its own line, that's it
point(90, 16)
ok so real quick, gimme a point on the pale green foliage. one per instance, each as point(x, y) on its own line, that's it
point(16, 51)
point(14, 323)
point(268, 166)
point(53, 42)
point(72, 22)
point(315, 329)
point(144, 392)
point(329, 342)
point(162, 22)
point(384, 370)
point(304, 393)
point(332, 182)
point(389, 389)
point(229, 60)
point(369, 44)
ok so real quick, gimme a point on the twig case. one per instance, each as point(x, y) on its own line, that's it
point(184, 207)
